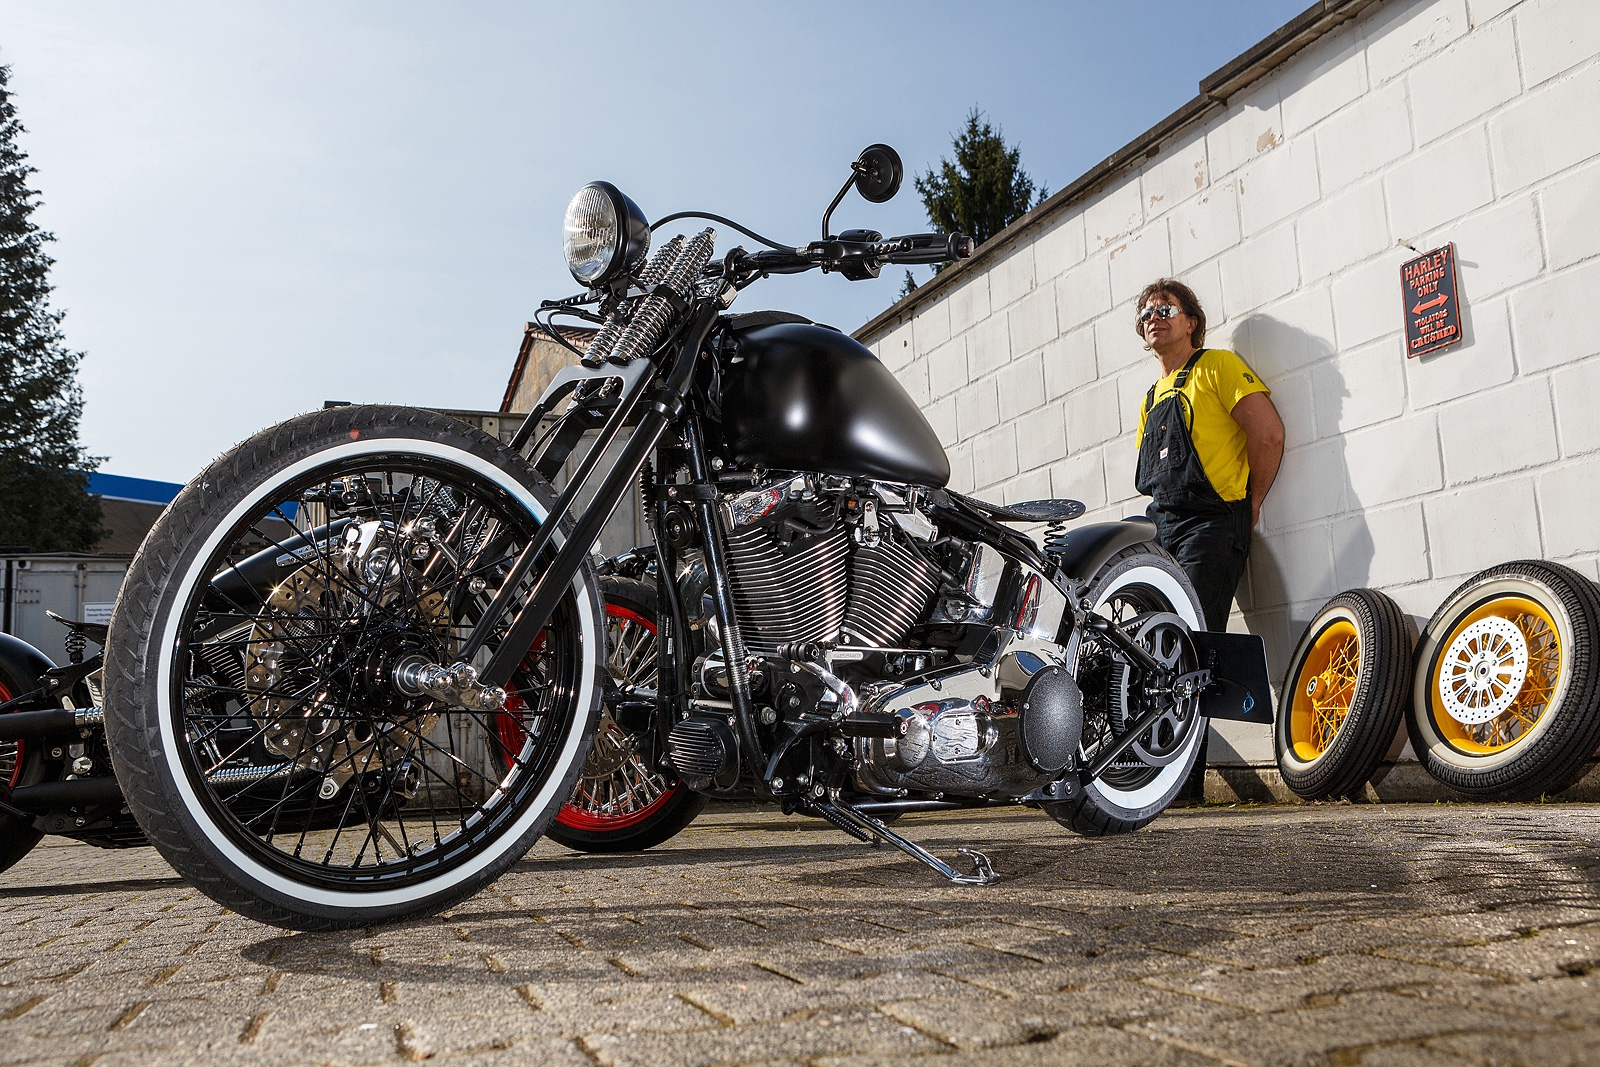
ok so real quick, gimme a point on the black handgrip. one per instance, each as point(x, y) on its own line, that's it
point(776, 261)
point(929, 248)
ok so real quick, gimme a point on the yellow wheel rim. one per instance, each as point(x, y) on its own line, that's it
point(1323, 689)
point(1514, 725)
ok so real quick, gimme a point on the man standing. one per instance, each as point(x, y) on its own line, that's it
point(1210, 442)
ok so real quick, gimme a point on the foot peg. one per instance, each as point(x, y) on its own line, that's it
point(863, 827)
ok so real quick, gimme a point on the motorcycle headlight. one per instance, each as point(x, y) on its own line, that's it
point(604, 234)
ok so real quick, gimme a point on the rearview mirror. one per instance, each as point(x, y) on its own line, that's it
point(878, 173)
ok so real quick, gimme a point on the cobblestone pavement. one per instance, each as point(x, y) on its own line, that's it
point(1315, 935)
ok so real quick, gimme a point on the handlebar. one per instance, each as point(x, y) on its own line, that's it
point(855, 253)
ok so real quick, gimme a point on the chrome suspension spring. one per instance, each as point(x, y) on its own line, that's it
point(654, 271)
point(654, 313)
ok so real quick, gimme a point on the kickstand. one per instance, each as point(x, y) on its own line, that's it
point(863, 827)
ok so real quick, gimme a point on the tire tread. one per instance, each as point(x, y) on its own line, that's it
point(1377, 707)
point(1557, 758)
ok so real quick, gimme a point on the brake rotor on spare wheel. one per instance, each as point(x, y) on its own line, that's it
point(1482, 671)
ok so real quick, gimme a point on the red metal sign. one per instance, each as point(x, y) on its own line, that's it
point(1433, 313)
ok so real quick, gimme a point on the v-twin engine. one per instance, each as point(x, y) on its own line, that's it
point(854, 572)
point(801, 573)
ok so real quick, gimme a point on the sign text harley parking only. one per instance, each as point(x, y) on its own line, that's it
point(1433, 314)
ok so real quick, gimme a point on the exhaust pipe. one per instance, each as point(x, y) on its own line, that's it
point(75, 792)
point(31, 725)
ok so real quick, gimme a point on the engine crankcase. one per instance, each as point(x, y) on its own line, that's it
point(967, 730)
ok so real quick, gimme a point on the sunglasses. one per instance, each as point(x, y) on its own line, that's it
point(1160, 311)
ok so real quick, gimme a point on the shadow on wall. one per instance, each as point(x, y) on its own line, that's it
point(1291, 574)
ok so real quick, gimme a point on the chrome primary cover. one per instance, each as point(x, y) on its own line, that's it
point(959, 736)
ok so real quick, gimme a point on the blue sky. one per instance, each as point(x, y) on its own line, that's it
point(262, 206)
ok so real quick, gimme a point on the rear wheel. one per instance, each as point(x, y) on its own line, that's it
point(622, 803)
point(19, 765)
point(1506, 695)
point(1344, 695)
point(1144, 591)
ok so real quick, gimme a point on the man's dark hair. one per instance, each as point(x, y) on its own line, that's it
point(1188, 303)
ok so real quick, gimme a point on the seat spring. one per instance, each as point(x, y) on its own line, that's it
point(1055, 539)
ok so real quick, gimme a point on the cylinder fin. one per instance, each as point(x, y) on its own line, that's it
point(783, 595)
point(890, 585)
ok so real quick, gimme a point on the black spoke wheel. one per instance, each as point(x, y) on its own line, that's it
point(1147, 594)
point(256, 712)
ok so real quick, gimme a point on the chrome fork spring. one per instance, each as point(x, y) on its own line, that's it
point(653, 273)
point(654, 313)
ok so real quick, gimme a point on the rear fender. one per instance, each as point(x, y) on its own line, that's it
point(1088, 547)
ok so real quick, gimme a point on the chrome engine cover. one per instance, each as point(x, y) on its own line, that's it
point(959, 737)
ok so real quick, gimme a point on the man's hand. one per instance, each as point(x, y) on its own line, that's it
point(1263, 431)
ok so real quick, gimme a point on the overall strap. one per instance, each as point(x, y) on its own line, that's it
point(1178, 382)
point(1183, 375)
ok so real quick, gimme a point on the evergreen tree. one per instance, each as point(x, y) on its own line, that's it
point(984, 189)
point(44, 501)
point(908, 286)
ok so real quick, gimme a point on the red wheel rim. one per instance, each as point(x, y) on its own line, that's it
point(591, 816)
point(10, 751)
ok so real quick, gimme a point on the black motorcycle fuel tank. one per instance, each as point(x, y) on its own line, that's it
point(802, 397)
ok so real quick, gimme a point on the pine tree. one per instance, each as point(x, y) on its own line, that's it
point(984, 189)
point(44, 501)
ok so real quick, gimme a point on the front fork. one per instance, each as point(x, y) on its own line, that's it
point(733, 651)
point(662, 409)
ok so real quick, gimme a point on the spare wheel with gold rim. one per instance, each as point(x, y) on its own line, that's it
point(1344, 695)
point(1506, 695)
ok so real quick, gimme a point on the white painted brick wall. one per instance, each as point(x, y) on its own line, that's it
point(1422, 121)
point(1570, 207)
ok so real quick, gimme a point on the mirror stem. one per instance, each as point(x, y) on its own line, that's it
point(855, 168)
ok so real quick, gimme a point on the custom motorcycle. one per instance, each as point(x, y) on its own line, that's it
point(361, 663)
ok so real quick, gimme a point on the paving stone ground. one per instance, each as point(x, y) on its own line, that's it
point(1429, 935)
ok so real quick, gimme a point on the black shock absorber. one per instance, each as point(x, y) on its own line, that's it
point(1055, 541)
point(647, 490)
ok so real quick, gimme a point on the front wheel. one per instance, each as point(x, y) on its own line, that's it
point(258, 705)
point(1141, 589)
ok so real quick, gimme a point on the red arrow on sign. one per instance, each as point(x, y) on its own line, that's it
point(1437, 301)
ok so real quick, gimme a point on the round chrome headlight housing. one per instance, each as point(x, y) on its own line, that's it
point(604, 234)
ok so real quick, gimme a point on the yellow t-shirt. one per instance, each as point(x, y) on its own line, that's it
point(1220, 379)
